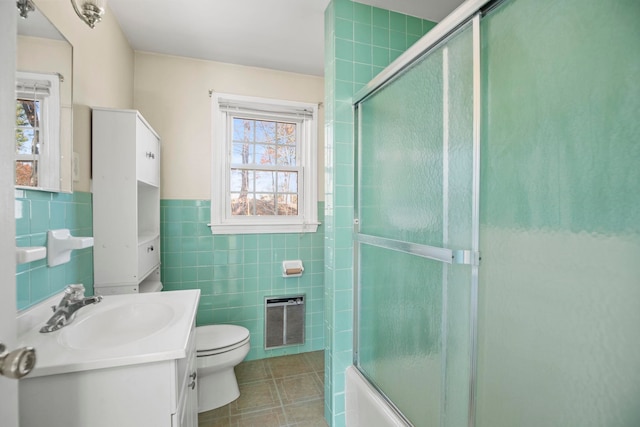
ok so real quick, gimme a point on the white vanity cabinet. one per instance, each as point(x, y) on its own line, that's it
point(128, 361)
point(126, 202)
point(158, 394)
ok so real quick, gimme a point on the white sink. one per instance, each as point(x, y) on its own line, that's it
point(119, 330)
point(116, 326)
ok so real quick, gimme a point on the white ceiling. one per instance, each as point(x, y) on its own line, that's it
point(286, 35)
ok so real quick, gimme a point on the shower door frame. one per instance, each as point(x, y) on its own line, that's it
point(470, 11)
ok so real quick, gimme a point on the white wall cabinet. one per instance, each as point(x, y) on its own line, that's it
point(126, 202)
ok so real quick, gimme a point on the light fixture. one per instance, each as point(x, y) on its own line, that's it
point(90, 11)
point(25, 6)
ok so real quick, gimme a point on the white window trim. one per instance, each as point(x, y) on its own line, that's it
point(49, 156)
point(221, 221)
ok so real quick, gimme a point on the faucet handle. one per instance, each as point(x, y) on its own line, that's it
point(75, 291)
point(71, 293)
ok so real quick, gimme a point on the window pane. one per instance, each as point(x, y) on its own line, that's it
point(265, 131)
point(265, 154)
point(243, 130)
point(261, 204)
point(242, 204)
point(27, 141)
point(264, 142)
point(265, 181)
point(242, 180)
point(28, 113)
point(27, 121)
point(265, 204)
point(242, 153)
point(286, 133)
point(263, 192)
point(26, 173)
point(286, 155)
point(287, 204)
point(287, 182)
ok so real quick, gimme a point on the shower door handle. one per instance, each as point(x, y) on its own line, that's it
point(449, 256)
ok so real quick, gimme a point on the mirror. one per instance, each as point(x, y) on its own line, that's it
point(44, 104)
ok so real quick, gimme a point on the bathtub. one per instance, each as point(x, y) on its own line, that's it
point(364, 405)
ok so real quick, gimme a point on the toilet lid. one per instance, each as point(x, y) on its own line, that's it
point(214, 337)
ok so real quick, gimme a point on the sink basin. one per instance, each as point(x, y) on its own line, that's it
point(118, 325)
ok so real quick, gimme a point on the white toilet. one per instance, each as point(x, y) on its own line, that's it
point(219, 349)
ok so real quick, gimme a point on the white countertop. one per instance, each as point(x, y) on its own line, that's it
point(54, 355)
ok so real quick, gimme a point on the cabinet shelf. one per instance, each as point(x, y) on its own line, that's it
point(147, 238)
point(142, 183)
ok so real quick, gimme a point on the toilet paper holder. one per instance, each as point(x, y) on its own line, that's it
point(292, 268)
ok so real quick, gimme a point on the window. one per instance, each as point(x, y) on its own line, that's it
point(264, 169)
point(37, 130)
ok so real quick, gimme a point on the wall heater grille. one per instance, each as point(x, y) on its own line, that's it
point(284, 321)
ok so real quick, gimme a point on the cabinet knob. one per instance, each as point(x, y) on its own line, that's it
point(150, 248)
point(193, 376)
point(192, 386)
point(150, 155)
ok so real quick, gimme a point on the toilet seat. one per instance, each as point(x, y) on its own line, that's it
point(216, 339)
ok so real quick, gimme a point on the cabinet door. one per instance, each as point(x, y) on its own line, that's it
point(147, 155)
point(187, 414)
point(191, 407)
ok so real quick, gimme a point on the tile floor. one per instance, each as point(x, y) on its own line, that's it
point(283, 391)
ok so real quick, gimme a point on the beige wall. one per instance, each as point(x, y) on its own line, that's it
point(102, 72)
point(47, 56)
point(172, 93)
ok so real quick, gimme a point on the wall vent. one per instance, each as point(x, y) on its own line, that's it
point(284, 321)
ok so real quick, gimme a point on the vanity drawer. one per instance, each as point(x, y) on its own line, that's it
point(147, 155)
point(148, 256)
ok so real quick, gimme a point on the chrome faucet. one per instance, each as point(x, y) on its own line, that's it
point(64, 313)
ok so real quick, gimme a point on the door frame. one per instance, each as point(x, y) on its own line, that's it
point(467, 16)
point(8, 30)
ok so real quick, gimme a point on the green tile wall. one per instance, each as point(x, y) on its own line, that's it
point(360, 41)
point(236, 272)
point(36, 212)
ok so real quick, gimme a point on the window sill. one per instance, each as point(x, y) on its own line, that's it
point(263, 228)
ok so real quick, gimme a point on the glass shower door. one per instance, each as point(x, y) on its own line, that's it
point(416, 235)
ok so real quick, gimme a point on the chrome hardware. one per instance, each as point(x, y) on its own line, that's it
point(64, 313)
point(150, 155)
point(17, 363)
point(449, 256)
point(466, 257)
point(192, 384)
point(25, 7)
